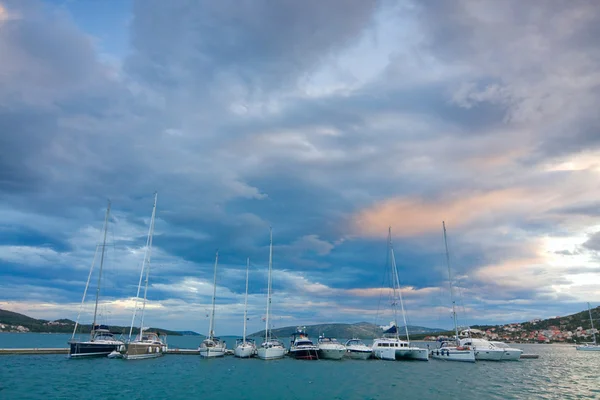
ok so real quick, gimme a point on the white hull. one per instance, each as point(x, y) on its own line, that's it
point(384, 353)
point(211, 352)
point(246, 351)
point(271, 353)
point(358, 355)
point(488, 354)
point(412, 353)
point(452, 354)
point(332, 354)
point(512, 355)
point(588, 348)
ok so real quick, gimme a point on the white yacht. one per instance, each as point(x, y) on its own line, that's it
point(452, 351)
point(510, 353)
point(330, 348)
point(392, 348)
point(590, 346)
point(213, 346)
point(146, 344)
point(356, 349)
point(101, 342)
point(270, 349)
point(245, 348)
point(484, 350)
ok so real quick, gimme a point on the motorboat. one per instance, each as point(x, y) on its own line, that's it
point(271, 348)
point(244, 347)
point(356, 349)
point(484, 350)
point(330, 348)
point(510, 353)
point(302, 348)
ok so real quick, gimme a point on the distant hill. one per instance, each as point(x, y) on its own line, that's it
point(189, 333)
point(11, 320)
point(363, 330)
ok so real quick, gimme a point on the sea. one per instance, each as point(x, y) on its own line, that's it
point(561, 372)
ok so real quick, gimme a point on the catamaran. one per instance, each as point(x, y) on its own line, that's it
point(271, 348)
point(392, 348)
point(146, 344)
point(245, 348)
point(449, 351)
point(213, 346)
point(101, 342)
point(590, 346)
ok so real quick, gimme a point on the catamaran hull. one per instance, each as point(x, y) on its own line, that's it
point(244, 351)
point(92, 349)
point(212, 352)
point(512, 355)
point(141, 351)
point(385, 353)
point(412, 354)
point(488, 355)
point(358, 354)
point(453, 355)
point(271, 353)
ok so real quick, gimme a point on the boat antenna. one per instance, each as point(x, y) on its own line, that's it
point(396, 284)
point(100, 271)
point(450, 282)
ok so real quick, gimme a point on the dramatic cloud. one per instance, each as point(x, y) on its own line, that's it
point(330, 122)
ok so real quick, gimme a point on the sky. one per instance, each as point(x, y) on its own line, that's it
point(329, 121)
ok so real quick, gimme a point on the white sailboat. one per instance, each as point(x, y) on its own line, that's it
point(449, 351)
point(101, 342)
point(245, 348)
point(590, 346)
point(392, 348)
point(145, 344)
point(213, 346)
point(271, 348)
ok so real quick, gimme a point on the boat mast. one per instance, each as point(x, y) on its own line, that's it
point(450, 281)
point(148, 244)
point(100, 272)
point(87, 285)
point(148, 255)
point(592, 322)
point(396, 283)
point(269, 284)
point(246, 299)
point(212, 315)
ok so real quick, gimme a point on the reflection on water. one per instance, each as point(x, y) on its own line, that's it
point(561, 372)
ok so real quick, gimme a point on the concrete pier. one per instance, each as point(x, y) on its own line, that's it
point(51, 350)
point(530, 356)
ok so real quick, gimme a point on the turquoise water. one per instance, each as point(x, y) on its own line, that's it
point(560, 373)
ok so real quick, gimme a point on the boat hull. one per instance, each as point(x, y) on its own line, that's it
point(244, 351)
point(140, 351)
point(92, 349)
point(304, 354)
point(488, 354)
point(271, 353)
point(211, 352)
point(384, 353)
point(453, 354)
point(412, 353)
point(359, 354)
point(512, 354)
point(332, 354)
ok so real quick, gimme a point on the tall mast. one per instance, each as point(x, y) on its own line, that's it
point(148, 244)
point(87, 285)
point(246, 299)
point(212, 315)
point(148, 255)
point(101, 265)
point(269, 284)
point(592, 322)
point(450, 281)
point(396, 284)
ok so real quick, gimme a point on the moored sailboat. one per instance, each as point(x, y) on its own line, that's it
point(146, 344)
point(590, 346)
point(245, 348)
point(101, 342)
point(271, 348)
point(213, 346)
point(448, 350)
point(393, 348)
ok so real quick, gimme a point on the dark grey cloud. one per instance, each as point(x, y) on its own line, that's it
point(593, 242)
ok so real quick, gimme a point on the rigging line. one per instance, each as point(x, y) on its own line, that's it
point(381, 288)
